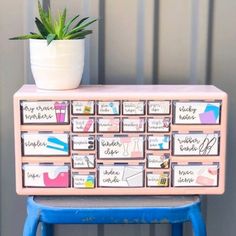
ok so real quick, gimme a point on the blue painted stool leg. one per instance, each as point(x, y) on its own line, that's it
point(177, 229)
point(30, 226)
point(199, 227)
point(46, 229)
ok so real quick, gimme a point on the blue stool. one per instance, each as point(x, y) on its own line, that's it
point(114, 210)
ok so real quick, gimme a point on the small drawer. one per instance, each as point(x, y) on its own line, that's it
point(83, 142)
point(85, 161)
point(48, 176)
point(158, 179)
point(83, 107)
point(159, 107)
point(195, 175)
point(121, 176)
point(161, 142)
point(45, 144)
point(83, 125)
point(133, 125)
point(108, 108)
point(158, 161)
point(83, 180)
point(158, 124)
point(45, 112)
point(133, 107)
point(108, 125)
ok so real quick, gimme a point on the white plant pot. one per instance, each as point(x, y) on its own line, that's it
point(59, 65)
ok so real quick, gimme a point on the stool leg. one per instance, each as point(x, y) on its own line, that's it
point(199, 227)
point(30, 226)
point(46, 229)
point(177, 229)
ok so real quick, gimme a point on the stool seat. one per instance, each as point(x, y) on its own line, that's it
point(114, 210)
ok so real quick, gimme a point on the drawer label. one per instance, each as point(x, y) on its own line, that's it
point(83, 161)
point(196, 144)
point(83, 107)
point(159, 124)
point(197, 112)
point(85, 125)
point(133, 125)
point(158, 107)
point(191, 175)
point(109, 108)
point(111, 125)
point(158, 180)
point(133, 108)
point(158, 161)
point(83, 142)
point(121, 176)
point(159, 142)
point(44, 112)
point(83, 181)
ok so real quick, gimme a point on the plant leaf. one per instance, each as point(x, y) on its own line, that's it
point(68, 24)
point(78, 35)
point(81, 21)
point(27, 36)
point(43, 31)
point(50, 38)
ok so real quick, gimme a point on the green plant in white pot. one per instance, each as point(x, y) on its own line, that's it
point(57, 51)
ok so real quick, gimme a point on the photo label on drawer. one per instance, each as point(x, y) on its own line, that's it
point(109, 108)
point(159, 124)
point(133, 107)
point(46, 176)
point(83, 107)
point(133, 125)
point(121, 147)
point(83, 142)
point(157, 180)
point(195, 144)
point(83, 125)
point(110, 125)
point(83, 181)
point(83, 161)
point(45, 144)
point(159, 107)
point(197, 113)
point(44, 112)
point(158, 161)
point(195, 175)
point(159, 142)
point(121, 176)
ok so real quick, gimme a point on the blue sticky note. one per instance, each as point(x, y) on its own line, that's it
point(214, 109)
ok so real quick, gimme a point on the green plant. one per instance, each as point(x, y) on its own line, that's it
point(58, 29)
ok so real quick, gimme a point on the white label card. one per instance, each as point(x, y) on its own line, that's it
point(46, 176)
point(84, 125)
point(109, 108)
point(83, 161)
point(158, 180)
point(159, 142)
point(111, 125)
point(83, 181)
point(44, 112)
point(45, 144)
point(158, 107)
point(196, 144)
point(133, 125)
point(120, 176)
point(133, 108)
point(83, 143)
point(83, 107)
point(158, 161)
point(121, 147)
point(159, 124)
point(197, 112)
point(199, 175)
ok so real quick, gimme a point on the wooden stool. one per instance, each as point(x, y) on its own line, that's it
point(114, 210)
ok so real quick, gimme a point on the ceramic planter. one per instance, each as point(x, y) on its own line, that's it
point(59, 65)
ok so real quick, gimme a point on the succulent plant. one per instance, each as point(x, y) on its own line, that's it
point(59, 28)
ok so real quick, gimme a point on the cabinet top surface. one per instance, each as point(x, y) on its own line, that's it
point(115, 91)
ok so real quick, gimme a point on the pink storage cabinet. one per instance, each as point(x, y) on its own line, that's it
point(120, 140)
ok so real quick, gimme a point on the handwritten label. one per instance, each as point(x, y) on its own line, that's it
point(133, 108)
point(159, 142)
point(44, 112)
point(158, 180)
point(197, 113)
point(196, 144)
point(111, 125)
point(109, 108)
point(83, 107)
point(133, 125)
point(85, 125)
point(46, 176)
point(191, 175)
point(121, 147)
point(83, 161)
point(83, 181)
point(159, 124)
point(158, 107)
point(45, 144)
point(158, 161)
point(121, 176)
point(83, 143)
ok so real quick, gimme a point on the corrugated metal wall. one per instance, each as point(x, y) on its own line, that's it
point(134, 42)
